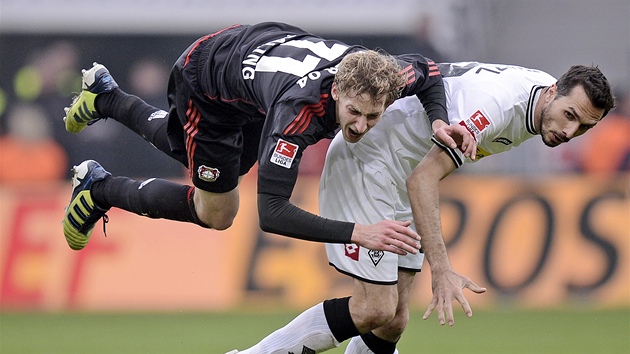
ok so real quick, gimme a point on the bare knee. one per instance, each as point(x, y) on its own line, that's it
point(373, 311)
point(397, 325)
point(217, 223)
point(378, 317)
point(216, 210)
point(393, 330)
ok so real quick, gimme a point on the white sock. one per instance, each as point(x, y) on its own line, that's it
point(307, 333)
point(357, 346)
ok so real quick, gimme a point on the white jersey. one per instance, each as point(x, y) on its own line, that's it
point(494, 102)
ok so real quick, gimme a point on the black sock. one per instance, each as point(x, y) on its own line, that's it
point(145, 120)
point(154, 198)
point(378, 345)
point(337, 312)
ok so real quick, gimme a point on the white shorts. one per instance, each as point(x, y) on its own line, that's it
point(353, 191)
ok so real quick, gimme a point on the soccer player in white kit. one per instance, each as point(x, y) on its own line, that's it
point(393, 174)
point(494, 102)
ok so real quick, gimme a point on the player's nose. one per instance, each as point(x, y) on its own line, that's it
point(570, 131)
point(361, 125)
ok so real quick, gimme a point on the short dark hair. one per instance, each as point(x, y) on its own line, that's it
point(594, 83)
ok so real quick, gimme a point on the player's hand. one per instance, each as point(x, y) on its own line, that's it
point(457, 136)
point(387, 235)
point(447, 286)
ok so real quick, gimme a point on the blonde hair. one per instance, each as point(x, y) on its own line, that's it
point(370, 72)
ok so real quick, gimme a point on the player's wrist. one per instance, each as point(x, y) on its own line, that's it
point(356, 234)
point(437, 125)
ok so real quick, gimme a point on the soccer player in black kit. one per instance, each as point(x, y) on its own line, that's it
point(243, 94)
point(252, 93)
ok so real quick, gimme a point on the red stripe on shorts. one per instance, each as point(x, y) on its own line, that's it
point(191, 129)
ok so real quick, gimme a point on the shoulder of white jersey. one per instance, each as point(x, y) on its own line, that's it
point(406, 105)
point(487, 90)
point(478, 72)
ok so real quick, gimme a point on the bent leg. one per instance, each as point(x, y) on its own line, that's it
point(372, 305)
point(383, 340)
point(315, 330)
point(159, 198)
point(217, 210)
point(142, 118)
point(393, 330)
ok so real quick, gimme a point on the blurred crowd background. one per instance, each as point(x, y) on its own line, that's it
point(45, 44)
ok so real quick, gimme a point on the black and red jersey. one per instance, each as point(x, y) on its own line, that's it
point(283, 75)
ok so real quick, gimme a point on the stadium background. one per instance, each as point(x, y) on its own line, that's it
point(545, 230)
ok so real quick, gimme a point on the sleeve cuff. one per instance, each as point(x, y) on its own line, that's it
point(455, 155)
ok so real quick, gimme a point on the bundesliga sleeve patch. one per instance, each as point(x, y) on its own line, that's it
point(476, 123)
point(284, 153)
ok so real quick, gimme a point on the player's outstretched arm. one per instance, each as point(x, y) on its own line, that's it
point(387, 235)
point(423, 189)
point(278, 215)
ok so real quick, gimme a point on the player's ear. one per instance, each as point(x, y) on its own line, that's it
point(334, 92)
point(551, 92)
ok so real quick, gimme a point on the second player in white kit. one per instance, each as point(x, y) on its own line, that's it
point(393, 173)
point(495, 103)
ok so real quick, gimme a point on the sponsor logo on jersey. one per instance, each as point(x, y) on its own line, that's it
point(502, 140)
point(352, 251)
point(376, 256)
point(284, 153)
point(208, 174)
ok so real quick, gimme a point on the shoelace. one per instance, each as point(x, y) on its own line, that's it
point(105, 221)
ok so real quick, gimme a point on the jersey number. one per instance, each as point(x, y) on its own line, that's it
point(302, 67)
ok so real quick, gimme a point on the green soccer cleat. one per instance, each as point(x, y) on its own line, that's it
point(82, 111)
point(82, 213)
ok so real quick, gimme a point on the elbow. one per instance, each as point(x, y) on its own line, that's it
point(264, 225)
point(264, 221)
point(414, 181)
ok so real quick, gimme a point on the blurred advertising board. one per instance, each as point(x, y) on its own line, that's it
point(552, 242)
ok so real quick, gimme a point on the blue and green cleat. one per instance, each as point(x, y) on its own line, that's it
point(82, 213)
point(82, 111)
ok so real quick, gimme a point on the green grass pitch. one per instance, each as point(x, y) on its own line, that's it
point(486, 332)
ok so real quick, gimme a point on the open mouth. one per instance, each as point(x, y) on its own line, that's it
point(353, 136)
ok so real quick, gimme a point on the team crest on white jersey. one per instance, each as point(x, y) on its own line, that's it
point(284, 153)
point(208, 174)
point(376, 256)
